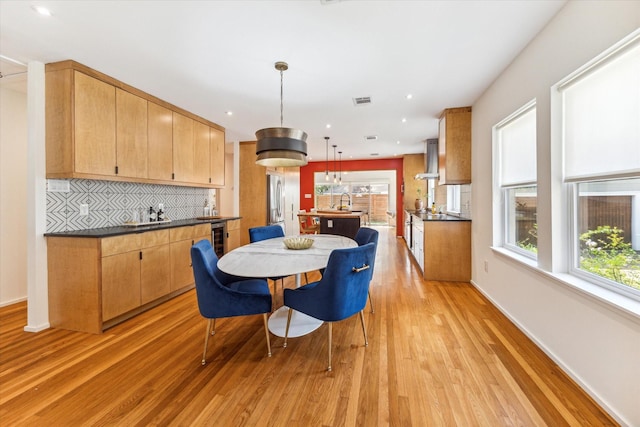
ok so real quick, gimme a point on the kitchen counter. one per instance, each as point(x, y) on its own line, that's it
point(424, 216)
point(122, 230)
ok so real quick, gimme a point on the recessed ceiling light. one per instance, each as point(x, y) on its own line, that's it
point(409, 96)
point(41, 10)
point(229, 113)
point(404, 120)
point(397, 142)
point(328, 125)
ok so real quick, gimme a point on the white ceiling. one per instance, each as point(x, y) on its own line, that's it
point(210, 57)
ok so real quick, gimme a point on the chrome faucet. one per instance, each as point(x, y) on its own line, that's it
point(348, 200)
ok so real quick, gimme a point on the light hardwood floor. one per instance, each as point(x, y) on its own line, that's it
point(439, 354)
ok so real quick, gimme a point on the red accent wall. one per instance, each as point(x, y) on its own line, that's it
point(306, 180)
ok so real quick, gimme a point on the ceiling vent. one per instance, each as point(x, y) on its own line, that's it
point(375, 154)
point(371, 138)
point(363, 100)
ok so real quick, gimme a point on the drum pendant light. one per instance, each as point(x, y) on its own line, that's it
point(281, 146)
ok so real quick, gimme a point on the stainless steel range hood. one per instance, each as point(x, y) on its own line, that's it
point(430, 160)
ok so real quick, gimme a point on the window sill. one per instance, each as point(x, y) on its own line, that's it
point(619, 303)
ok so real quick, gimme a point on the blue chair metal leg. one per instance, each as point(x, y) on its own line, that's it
point(266, 330)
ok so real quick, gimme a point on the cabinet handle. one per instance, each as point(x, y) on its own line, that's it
point(116, 170)
point(140, 255)
point(173, 176)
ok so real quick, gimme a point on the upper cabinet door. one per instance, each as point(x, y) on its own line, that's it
point(160, 144)
point(454, 146)
point(94, 126)
point(201, 153)
point(217, 157)
point(182, 148)
point(131, 135)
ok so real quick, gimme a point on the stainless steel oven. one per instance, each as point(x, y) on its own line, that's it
point(218, 237)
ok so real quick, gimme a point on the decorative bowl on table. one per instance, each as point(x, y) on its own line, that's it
point(298, 242)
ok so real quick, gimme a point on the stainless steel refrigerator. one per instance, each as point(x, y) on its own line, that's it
point(275, 199)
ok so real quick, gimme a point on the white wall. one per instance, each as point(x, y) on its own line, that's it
point(13, 201)
point(595, 343)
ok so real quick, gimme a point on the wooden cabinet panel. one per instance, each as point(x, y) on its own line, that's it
point(120, 284)
point(253, 191)
point(447, 250)
point(94, 125)
point(216, 138)
point(454, 146)
point(73, 269)
point(233, 235)
point(181, 270)
point(413, 164)
point(182, 148)
point(119, 244)
point(160, 144)
point(155, 273)
point(154, 238)
point(58, 122)
point(201, 153)
point(131, 135)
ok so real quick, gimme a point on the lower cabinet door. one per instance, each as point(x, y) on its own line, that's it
point(181, 270)
point(155, 273)
point(120, 284)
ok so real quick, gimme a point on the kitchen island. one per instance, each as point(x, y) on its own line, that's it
point(441, 245)
point(341, 223)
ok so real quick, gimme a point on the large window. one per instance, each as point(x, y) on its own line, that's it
point(600, 131)
point(515, 164)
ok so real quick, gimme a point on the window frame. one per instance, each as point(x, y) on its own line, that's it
point(569, 262)
point(502, 211)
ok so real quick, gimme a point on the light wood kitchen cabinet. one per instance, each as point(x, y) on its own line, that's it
point(120, 284)
point(454, 146)
point(201, 153)
point(253, 191)
point(233, 235)
point(80, 125)
point(131, 268)
point(413, 164)
point(100, 128)
point(131, 135)
point(192, 150)
point(160, 145)
point(216, 151)
point(182, 148)
point(95, 283)
point(182, 239)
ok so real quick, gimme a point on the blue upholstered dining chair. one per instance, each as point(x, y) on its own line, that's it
point(363, 236)
point(222, 295)
point(339, 294)
point(257, 234)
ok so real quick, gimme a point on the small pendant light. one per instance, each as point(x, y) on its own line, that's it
point(335, 180)
point(326, 171)
point(340, 163)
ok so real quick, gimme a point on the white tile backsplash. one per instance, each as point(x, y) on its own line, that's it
point(111, 203)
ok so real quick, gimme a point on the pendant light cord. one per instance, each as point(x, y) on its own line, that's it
point(281, 105)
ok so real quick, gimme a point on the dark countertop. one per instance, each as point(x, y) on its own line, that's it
point(117, 231)
point(424, 216)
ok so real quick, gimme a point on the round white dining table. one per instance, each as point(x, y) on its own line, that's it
point(271, 258)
